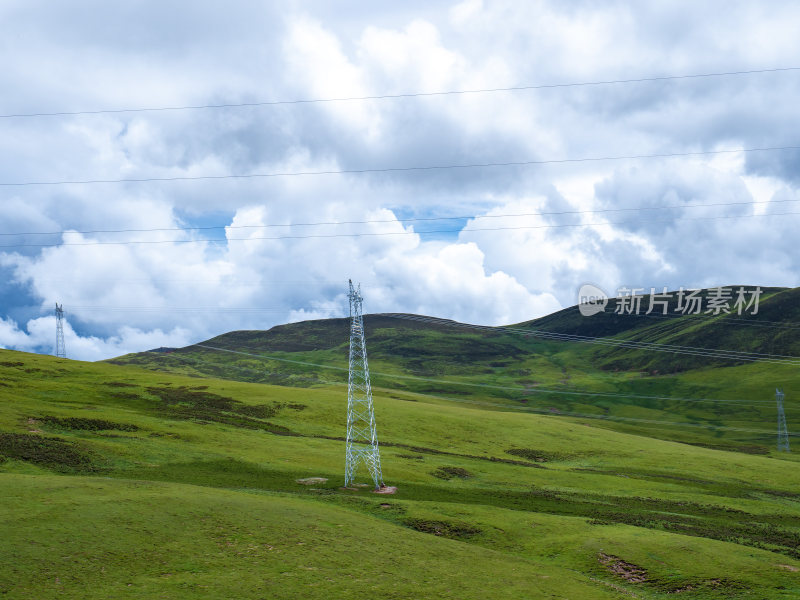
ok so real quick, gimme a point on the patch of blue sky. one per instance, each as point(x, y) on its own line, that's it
point(207, 225)
point(441, 229)
point(16, 300)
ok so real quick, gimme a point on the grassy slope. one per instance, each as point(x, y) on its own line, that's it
point(516, 371)
point(146, 540)
point(202, 498)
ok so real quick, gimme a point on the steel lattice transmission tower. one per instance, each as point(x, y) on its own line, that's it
point(61, 351)
point(362, 440)
point(783, 433)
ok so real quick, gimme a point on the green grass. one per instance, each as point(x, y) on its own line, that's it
point(132, 539)
point(119, 481)
point(440, 363)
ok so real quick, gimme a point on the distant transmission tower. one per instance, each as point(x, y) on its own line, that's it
point(61, 351)
point(362, 440)
point(783, 433)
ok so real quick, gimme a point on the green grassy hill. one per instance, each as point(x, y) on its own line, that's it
point(773, 330)
point(640, 391)
point(119, 481)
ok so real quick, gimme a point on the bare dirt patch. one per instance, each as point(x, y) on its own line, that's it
point(386, 489)
point(312, 480)
point(628, 571)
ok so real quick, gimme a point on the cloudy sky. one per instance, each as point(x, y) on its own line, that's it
point(141, 264)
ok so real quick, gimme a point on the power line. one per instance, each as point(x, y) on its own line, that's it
point(524, 409)
point(631, 344)
point(240, 368)
point(396, 96)
point(408, 219)
point(613, 417)
point(225, 282)
point(201, 309)
point(387, 233)
point(725, 319)
point(678, 349)
point(487, 386)
point(395, 169)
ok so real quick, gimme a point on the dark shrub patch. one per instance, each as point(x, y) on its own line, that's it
point(509, 461)
point(81, 424)
point(193, 399)
point(530, 454)
point(53, 453)
point(119, 384)
point(407, 399)
point(546, 494)
point(126, 396)
point(744, 448)
point(389, 508)
point(443, 528)
point(11, 364)
point(201, 406)
point(450, 472)
point(782, 494)
point(260, 411)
